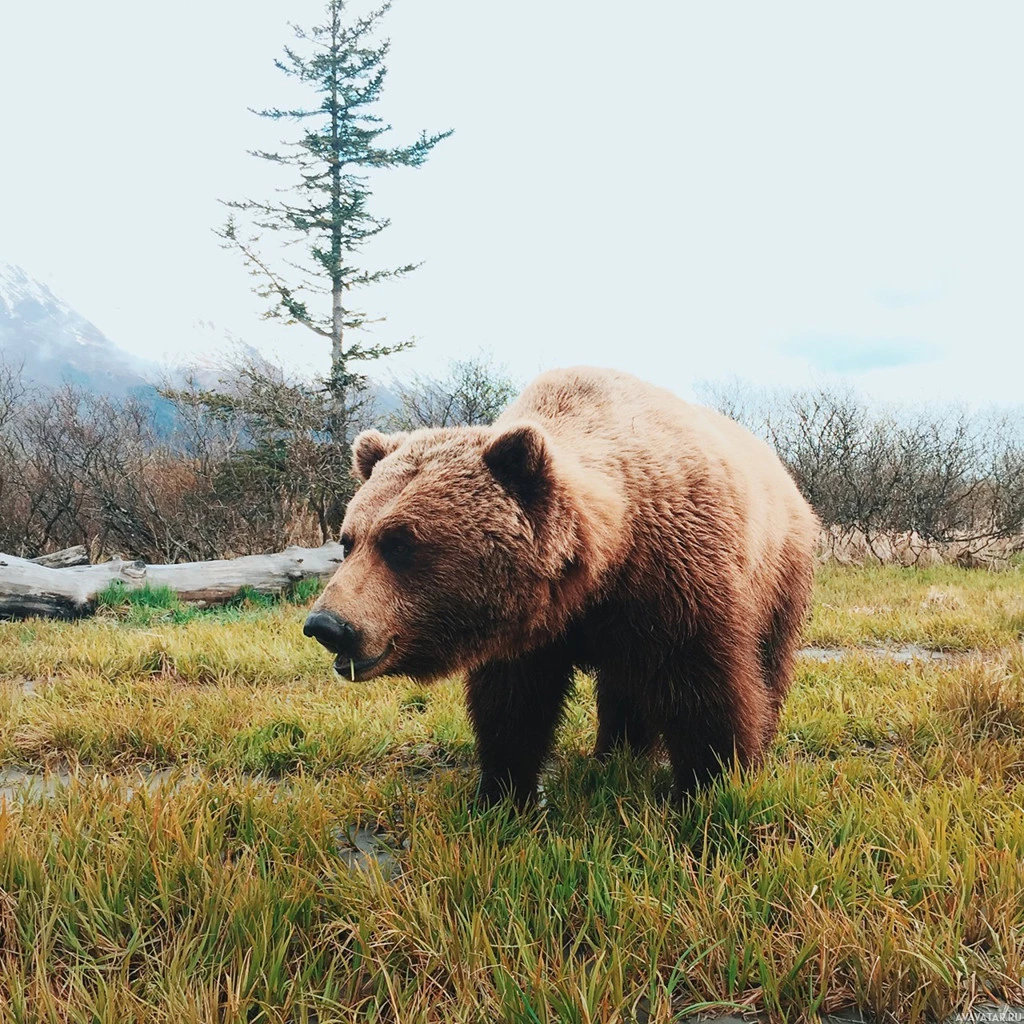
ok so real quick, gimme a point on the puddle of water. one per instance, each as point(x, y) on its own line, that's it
point(360, 848)
point(21, 784)
point(904, 654)
point(24, 684)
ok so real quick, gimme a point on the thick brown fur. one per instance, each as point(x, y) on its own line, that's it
point(601, 523)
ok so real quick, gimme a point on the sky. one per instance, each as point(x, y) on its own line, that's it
point(788, 193)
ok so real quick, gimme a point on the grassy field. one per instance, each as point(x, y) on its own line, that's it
point(304, 849)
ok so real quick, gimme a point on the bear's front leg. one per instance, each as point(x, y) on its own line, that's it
point(515, 707)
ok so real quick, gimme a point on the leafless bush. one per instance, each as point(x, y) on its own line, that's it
point(894, 480)
point(11, 396)
point(11, 392)
point(262, 445)
point(249, 466)
point(474, 392)
point(52, 441)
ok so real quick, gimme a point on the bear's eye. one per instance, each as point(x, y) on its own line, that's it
point(396, 550)
point(346, 544)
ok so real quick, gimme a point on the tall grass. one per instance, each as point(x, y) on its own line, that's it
point(876, 859)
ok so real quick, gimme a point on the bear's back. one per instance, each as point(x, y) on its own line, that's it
point(687, 473)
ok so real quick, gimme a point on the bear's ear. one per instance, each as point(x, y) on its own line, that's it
point(519, 459)
point(370, 447)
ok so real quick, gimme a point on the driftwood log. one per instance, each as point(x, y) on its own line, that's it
point(65, 558)
point(27, 588)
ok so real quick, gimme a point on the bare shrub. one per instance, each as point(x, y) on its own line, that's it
point(894, 484)
point(474, 392)
point(251, 465)
point(262, 447)
point(11, 398)
point(54, 440)
point(248, 467)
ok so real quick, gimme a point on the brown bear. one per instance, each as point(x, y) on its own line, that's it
point(601, 523)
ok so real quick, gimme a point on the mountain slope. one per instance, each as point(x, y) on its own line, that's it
point(54, 344)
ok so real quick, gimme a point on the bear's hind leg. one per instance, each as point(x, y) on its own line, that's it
point(782, 636)
point(716, 709)
point(515, 708)
point(621, 722)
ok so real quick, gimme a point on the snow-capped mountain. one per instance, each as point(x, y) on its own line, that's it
point(54, 344)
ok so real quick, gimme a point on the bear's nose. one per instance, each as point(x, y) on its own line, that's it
point(331, 630)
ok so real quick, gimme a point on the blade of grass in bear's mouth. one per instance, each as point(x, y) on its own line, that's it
point(349, 668)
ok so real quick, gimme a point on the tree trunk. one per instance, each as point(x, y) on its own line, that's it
point(339, 391)
point(339, 397)
point(27, 588)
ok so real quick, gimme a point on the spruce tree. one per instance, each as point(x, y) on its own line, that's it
point(326, 210)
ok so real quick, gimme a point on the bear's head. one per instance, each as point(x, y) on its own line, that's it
point(462, 546)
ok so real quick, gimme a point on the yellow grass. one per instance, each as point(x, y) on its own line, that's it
point(876, 859)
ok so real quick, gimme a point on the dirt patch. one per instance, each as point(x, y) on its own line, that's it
point(903, 654)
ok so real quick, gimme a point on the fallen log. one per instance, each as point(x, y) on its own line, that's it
point(65, 558)
point(27, 588)
point(215, 582)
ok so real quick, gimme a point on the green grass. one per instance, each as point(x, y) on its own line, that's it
point(876, 859)
point(145, 606)
point(944, 608)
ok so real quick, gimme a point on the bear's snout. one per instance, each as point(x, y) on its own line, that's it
point(331, 630)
